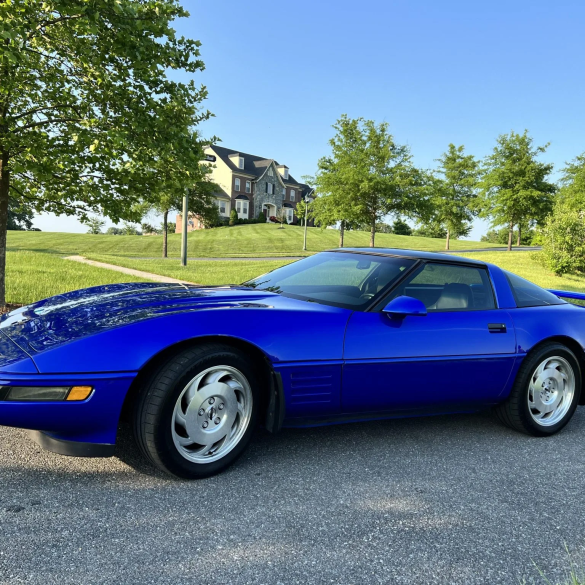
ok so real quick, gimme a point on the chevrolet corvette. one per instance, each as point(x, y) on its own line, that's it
point(344, 335)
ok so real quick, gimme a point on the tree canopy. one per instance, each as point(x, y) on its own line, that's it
point(366, 177)
point(90, 121)
point(455, 192)
point(515, 188)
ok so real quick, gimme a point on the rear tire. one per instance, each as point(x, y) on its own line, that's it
point(197, 414)
point(546, 392)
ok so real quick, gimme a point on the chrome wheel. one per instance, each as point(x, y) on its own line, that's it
point(212, 414)
point(551, 391)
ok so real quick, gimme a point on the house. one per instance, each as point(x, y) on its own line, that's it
point(250, 184)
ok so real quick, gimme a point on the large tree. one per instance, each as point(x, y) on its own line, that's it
point(368, 176)
point(88, 113)
point(515, 188)
point(455, 192)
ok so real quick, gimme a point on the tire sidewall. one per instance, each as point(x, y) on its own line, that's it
point(165, 446)
point(537, 358)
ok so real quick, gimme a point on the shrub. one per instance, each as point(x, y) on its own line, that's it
point(261, 217)
point(233, 217)
point(401, 228)
point(563, 241)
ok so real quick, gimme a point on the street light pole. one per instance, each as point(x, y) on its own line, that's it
point(307, 201)
point(184, 231)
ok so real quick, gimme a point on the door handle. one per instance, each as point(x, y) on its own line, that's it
point(497, 327)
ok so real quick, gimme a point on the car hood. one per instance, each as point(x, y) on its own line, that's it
point(80, 313)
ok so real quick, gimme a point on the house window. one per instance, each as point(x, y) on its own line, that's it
point(269, 188)
point(292, 194)
point(284, 191)
point(237, 188)
point(242, 208)
point(286, 174)
point(222, 207)
point(248, 187)
point(241, 162)
point(289, 215)
point(270, 172)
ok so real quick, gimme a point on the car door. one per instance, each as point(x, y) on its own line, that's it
point(460, 354)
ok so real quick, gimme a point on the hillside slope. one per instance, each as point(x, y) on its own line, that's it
point(254, 240)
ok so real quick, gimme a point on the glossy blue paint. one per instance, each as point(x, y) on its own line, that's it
point(403, 306)
point(565, 294)
point(335, 363)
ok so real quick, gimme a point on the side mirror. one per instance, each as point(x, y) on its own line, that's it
point(403, 306)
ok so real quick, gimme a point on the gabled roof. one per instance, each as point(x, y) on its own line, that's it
point(253, 165)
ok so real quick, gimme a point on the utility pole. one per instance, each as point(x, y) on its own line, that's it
point(185, 226)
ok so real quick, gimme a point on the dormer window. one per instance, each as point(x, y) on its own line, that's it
point(241, 162)
point(285, 174)
point(283, 171)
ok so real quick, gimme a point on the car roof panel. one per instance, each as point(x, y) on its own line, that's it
point(417, 254)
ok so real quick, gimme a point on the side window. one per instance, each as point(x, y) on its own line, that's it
point(448, 287)
point(527, 294)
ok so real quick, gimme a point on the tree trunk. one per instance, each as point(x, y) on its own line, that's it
point(510, 235)
point(519, 235)
point(4, 188)
point(341, 233)
point(448, 238)
point(165, 232)
point(373, 233)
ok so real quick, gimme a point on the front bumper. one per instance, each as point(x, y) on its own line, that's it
point(84, 428)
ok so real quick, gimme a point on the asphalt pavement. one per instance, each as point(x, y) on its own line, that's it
point(451, 499)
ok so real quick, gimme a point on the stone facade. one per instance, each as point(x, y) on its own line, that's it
point(262, 197)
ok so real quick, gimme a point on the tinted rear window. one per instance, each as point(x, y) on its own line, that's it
point(528, 294)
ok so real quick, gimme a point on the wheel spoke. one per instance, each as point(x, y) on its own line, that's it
point(183, 441)
point(180, 418)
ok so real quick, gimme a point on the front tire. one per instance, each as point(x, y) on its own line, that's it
point(197, 414)
point(546, 392)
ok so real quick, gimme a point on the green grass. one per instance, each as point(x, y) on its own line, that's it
point(243, 240)
point(208, 272)
point(527, 265)
point(31, 276)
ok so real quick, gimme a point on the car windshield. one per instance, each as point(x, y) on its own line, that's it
point(350, 280)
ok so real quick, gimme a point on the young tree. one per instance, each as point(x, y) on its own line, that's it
point(455, 192)
point(514, 187)
point(88, 114)
point(368, 176)
point(95, 225)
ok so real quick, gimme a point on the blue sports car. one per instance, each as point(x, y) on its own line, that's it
point(345, 335)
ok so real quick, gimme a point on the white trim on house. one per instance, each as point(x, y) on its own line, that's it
point(242, 207)
point(224, 207)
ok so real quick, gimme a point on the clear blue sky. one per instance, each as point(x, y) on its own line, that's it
point(280, 73)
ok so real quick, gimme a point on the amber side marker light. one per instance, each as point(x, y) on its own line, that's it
point(79, 392)
point(44, 393)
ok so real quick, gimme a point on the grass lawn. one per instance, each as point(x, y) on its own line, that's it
point(32, 276)
point(527, 265)
point(243, 240)
point(202, 272)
